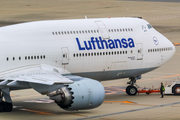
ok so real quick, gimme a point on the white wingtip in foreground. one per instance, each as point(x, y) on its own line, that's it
point(64, 58)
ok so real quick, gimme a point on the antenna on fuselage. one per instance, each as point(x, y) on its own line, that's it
point(85, 17)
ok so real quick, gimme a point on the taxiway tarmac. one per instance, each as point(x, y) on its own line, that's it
point(164, 16)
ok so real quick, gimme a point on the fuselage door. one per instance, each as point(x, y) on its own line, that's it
point(103, 29)
point(139, 51)
point(65, 56)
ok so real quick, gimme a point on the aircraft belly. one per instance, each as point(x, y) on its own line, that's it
point(115, 74)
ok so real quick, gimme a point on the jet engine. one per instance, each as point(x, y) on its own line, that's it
point(83, 94)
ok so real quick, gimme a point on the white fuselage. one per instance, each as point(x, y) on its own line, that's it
point(102, 49)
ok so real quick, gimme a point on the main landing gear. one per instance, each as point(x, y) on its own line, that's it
point(5, 106)
point(132, 89)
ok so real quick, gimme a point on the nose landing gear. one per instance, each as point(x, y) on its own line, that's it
point(131, 89)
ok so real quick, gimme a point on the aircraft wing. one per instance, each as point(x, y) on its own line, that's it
point(39, 74)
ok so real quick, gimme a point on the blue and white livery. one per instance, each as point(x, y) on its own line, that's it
point(65, 59)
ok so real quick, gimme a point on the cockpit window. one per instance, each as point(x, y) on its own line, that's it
point(149, 26)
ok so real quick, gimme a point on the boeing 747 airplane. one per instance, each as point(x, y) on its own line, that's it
point(66, 59)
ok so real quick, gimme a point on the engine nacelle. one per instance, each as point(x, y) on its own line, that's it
point(83, 94)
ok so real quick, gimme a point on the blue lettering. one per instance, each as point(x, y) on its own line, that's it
point(97, 41)
point(111, 44)
point(92, 38)
point(123, 40)
point(116, 42)
point(79, 45)
point(103, 41)
point(131, 42)
point(88, 48)
point(105, 44)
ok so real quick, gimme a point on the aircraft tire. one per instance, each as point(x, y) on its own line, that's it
point(131, 90)
point(176, 89)
point(7, 107)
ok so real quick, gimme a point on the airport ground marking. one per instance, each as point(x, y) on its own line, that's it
point(128, 103)
point(76, 114)
point(39, 112)
point(128, 111)
point(119, 102)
